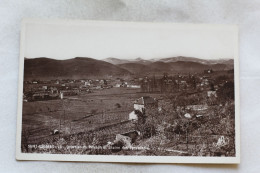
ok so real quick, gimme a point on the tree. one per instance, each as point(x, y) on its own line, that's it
point(226, 92)
point(147, 121)
point(93, 111)
point(117, 105)
point(221, 79)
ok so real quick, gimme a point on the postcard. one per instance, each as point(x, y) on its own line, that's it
point(107, 91)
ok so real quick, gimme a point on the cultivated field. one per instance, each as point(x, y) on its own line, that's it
point(77, 113)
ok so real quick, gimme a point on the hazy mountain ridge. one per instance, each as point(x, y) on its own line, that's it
point(173, 67)
point(137, 68)
point(71, 68)
point(84, 67)
point(117, 61)
point(198, 60)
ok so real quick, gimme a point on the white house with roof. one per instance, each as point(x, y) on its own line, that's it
point(141, 104)
point(133, 86)
point(145, 101)
point(133, 116)
point(212, 93)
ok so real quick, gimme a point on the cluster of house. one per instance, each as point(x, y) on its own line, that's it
point(126, 85)
point(132, 83)
point(176, 83)
point(53, 89)
point(147, 102)
point(37, 90)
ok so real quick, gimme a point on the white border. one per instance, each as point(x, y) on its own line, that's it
point(116, 158)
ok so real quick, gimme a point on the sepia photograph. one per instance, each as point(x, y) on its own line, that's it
point(104, 91)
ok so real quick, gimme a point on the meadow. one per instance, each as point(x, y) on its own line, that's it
point(75, 114)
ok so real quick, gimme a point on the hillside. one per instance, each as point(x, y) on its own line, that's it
point(117, 61)
point(162, 66)
point(76, 68)
point(198, 60)
point(182, 58)
point(136, 68)
point(187, 67)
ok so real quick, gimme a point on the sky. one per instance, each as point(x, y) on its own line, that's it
point(128, 40)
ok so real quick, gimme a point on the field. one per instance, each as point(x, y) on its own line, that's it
point(75, 114)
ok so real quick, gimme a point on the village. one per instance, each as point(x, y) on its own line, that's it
point(53, 89)
point(138, 111)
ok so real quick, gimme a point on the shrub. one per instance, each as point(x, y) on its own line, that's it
point(93, 111)
point(226, 92)
point(117, 105)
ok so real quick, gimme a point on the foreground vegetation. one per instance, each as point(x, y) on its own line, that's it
point(174, 129)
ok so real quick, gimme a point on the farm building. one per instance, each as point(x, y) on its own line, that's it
point(197, 107)
point(87, 83)
point(208, 71)
point(141, 104)
point(133, 116)
point(40, 95)
point(54, 90)
point(43, 96)
point(71, 92)
point(133, 86)
point(212, 93)
point(61, 95)
point(144, 102)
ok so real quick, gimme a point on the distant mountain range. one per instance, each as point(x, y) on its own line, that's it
point(84, 67)
point(117, 61)
point(45, 68)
